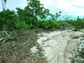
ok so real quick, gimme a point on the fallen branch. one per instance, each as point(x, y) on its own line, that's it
point(6, 33)
point(1, 39)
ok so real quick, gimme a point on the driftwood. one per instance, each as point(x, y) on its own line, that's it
point(4, 39)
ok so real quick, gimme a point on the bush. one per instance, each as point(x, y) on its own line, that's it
point(46, 24)
point(7, 19)
point(77, 24)
point(54, 24)
point(21, 25)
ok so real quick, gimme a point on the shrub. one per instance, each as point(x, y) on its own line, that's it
point(46, 24)
point(7, 19)
point(21, 25)
point(77, 24)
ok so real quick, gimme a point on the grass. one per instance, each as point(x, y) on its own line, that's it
point(17, 51)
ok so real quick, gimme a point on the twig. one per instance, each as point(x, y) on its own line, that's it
point(1, 39)
point(6, 33)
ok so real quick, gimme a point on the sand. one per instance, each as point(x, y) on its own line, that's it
point(58, 45)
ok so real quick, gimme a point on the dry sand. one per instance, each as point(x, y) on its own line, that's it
point(58, 45)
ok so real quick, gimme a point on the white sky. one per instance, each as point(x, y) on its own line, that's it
point(68, 7)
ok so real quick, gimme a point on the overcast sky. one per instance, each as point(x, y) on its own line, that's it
point(68, 7)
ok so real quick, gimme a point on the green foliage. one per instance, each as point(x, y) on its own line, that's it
point(54, 24)
point(78, 18)
point(77, 24)
point(64, 25)
point(46, 24)
point(27, 18)
point(7, 19)
point(21, 25)
point(54, 17)
point(35, 9)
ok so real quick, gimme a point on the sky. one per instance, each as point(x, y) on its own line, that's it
point(68, 7)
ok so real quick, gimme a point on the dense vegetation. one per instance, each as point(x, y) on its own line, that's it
point(27, 18)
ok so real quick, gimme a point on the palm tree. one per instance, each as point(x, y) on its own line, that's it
point(4, 4)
